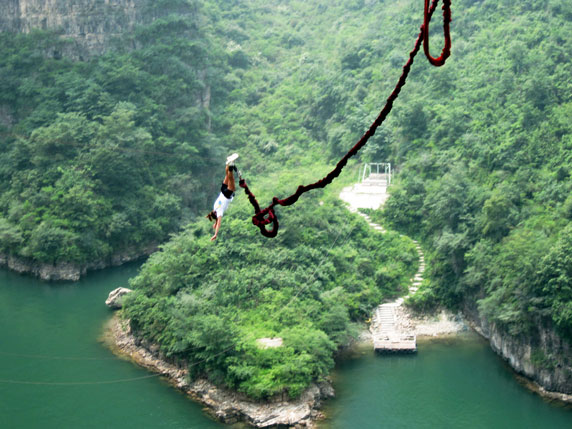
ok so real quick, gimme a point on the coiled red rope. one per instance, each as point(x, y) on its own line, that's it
point(267, 216)
point(425, 32)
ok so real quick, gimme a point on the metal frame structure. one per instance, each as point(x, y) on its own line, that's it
point(380, 168)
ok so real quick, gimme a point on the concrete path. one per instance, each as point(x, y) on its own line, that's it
point(370, 194)
point(387, 336)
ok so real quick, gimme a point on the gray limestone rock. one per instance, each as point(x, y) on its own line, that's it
point(542, 356)
point(223, 404)
point(115, 298)
point(89, 25)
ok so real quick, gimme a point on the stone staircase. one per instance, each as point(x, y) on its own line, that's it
point(369, 194)
point(418, 277)
point(387, 337)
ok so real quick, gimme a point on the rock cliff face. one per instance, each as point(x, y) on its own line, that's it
point(91, 24)
point(69, 271)
point(544, 357)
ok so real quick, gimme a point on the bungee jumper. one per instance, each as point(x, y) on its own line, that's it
point(266, 216)
point(226, 194)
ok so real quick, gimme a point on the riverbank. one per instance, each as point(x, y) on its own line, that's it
point(438, 325)
point(69, 271)
point(517, 356)
point(445, 324)
point(541, 362)
point(222, 404)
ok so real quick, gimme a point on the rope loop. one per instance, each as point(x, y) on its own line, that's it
point(446, 52)
point(261, 218)
point(266, 216)
point(261, 221)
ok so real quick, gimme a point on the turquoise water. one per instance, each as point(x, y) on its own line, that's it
point(43, 322)
point(49, 334)
point(457, 383)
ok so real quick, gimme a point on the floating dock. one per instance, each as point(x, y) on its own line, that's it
point(387, 338)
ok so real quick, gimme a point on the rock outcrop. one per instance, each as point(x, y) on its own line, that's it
point(91, 24)
point(68, 271)
point(62, 271)
point(225, 405)
point(544, 358)
point(115, 298)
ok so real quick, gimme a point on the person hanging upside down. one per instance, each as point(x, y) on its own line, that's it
point(226, 195)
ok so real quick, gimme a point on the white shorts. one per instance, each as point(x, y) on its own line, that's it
point(221, 204)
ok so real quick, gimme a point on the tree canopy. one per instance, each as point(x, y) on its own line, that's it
point(117, 152)
point(106, 155)
point(485, 182)
point(206, 304)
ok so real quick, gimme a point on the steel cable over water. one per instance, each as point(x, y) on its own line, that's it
point(190, 365)
point(259, 218)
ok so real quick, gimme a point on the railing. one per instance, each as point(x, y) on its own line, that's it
point(377, 167)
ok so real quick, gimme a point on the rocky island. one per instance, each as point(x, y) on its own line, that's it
point(222, 404)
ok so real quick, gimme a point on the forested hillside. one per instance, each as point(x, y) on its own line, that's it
point(101, 156)
point(207, 304)
point(486, 166)
point(482, 146)
point(111, 149)
point(113, 153)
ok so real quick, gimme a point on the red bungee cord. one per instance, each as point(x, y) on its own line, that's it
point(267, 215)
point(425, 30)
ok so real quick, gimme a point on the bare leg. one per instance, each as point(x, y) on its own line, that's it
point(229, 179)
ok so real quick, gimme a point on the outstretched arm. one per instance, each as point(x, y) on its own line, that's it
point(216, 226)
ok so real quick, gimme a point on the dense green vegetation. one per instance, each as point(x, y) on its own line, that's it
point(486, 169)
point(482, 144)
point(90, 171)
point(207, 304)
point(110, 154)
point(117, 152)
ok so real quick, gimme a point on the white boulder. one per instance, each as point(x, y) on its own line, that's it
point(115, 298)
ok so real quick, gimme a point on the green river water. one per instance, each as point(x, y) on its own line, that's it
point(52, 366)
